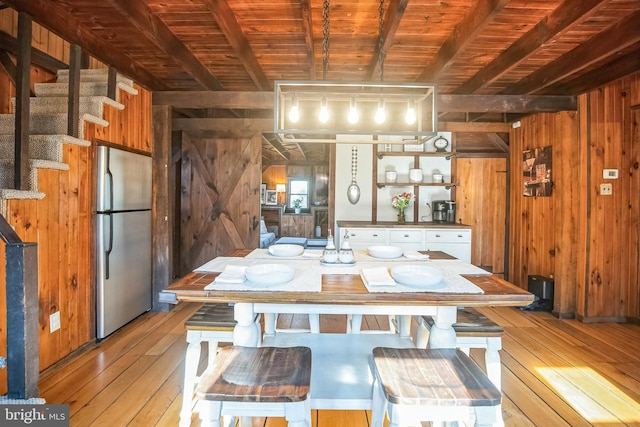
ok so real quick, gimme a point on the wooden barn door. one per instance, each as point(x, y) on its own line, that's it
point(220, 197)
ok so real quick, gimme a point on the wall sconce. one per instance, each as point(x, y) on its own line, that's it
point(407, 110)
point(280, 188)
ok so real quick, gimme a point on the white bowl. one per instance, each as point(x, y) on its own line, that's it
point(422, 276)
point(385, 252)
point(270, 274)
point(286, 250)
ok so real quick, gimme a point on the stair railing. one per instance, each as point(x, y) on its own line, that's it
point(23, 348)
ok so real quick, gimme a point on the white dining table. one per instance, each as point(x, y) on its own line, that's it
point(341, 360)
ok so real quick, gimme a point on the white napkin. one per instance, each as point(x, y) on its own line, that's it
point(312, 253)
point(377, 276)
point(415, 255)
point(231, 274)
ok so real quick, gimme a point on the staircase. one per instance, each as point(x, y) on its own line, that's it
point(48, 127)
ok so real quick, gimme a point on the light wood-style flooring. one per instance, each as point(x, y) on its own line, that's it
point(555, 373)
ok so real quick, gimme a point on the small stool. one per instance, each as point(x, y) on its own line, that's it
point(416, 385)
point(473, 330)
point(258, 381)
point(212, 323)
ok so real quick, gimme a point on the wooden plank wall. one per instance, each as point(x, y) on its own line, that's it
point(543, 230)
point(276, 174)
point(62, 222)
point(481, 202)
point(608, 276)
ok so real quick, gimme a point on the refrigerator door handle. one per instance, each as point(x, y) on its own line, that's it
point(109, 248)
point(109, 186)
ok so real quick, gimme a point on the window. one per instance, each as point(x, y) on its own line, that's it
point(299, 189)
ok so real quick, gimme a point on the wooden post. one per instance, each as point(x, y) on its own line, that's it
point(73, 107)
point(22, 320)
point(21, 164)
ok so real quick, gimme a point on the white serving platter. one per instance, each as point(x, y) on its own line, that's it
point(422, 276)
point(286, 250)
point(385, 252)
point(270, 274)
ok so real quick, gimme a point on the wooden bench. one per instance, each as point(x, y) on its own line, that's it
point(212, 323)
point(415, 385)
point(258, 381)
point(473, 330)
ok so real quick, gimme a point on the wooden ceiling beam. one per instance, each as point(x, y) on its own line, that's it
point(499, 142)
point(473, 24)
point(506, 103)
point(392, 19)
point(63, 23)
point(302, 152)
point(557, 21)
point(307, 26)
point(613, 70)
point(606, 44)
point(446, 103)
point(38, 57)
point(155, 30)
point(274, 140)
point(226, 20)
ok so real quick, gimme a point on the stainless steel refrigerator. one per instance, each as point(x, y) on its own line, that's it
point(123, 233)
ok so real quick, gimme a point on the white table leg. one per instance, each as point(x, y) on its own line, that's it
point(246, 333)
point(442, 334)
point(270, 320)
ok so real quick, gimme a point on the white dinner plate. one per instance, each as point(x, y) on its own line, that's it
point(422, 276)
point(385, 252)
point(270, 274)
point(286, 250)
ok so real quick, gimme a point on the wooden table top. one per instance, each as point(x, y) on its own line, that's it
point(349, 289)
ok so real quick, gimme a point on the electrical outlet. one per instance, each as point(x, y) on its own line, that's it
point(54, 322)
point(606, 189)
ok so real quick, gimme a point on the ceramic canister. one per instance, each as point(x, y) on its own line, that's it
point(391, 176)
point(415, 175)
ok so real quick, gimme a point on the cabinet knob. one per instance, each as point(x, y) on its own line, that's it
point(460, 235)
point(375, 235)
point(406, 235)
point(437, 235)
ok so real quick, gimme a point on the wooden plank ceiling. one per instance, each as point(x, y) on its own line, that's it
point(479, 47)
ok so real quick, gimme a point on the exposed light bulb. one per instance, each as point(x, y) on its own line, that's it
point(353, 116)
point(380, 114)
point(294, 114)
point(410, 117)
point(324, 111)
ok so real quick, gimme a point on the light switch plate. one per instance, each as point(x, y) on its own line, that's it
point(610, 173)
point(54, 322)
point(606, 189)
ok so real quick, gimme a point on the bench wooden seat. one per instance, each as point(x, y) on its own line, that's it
point(212, 323)
point(473, 330)
point(415, 385)
point(258, 381)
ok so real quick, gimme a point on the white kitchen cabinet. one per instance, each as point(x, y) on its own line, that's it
point(362, 238)
point(453, 242)
point(409, 239)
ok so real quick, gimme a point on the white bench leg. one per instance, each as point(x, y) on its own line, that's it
point(378, 404)
point(298, 414)
point(211, 413)
point(314, 323)
point(191, 361)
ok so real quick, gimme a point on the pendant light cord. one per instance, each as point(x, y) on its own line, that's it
point(381, 53)
point(325, 39)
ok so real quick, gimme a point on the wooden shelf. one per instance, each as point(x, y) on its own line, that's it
point(414, 184)
point(382, 154)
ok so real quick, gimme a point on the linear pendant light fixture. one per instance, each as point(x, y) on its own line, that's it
point(320, 111)
point(324, 109)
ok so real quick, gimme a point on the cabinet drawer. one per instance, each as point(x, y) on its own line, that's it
point(399, 236)
point(448, 236)
point(369, 235)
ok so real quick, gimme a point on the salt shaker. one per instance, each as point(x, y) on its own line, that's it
point(330, 253)
point(345, 254)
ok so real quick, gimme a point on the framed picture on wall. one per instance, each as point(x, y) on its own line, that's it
point(271, 197)
point(536, 170)
point(263, 193)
